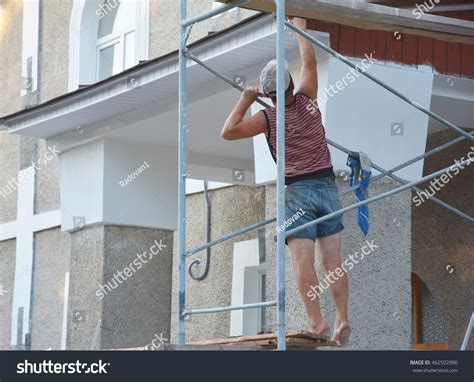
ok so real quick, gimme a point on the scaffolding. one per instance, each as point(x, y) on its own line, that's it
point(184, 55)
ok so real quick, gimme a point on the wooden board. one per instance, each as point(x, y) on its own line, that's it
point(293, 339)
point(373, 17)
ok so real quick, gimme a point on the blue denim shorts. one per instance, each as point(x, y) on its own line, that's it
point(308, 200)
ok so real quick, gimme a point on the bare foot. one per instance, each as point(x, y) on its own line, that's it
point(341, 333)
point(320, 329)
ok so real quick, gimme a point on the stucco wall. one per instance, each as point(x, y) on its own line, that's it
point(232, 208)
point(164, 19)
point(7, 276)
point(443, 242)
point(138, 307)
point(379, 287)
point(52, 253)
point(10, 56)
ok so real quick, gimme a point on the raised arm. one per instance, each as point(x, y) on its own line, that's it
point(309, 74)
point(235, 127)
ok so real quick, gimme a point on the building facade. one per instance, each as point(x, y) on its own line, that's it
point(88, 178)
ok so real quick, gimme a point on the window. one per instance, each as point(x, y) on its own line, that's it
point(106, 37)
point(116, 39)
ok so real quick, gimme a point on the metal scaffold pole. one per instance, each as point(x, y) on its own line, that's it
point(279, 302)
point(280, 16)
point(182, 174)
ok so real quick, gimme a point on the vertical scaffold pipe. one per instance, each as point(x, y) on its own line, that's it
point(281, 325)
point(182, 174)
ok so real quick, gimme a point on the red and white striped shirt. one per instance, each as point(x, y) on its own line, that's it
point(306, 150)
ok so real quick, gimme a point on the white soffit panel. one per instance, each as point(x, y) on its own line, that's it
point(231, 52)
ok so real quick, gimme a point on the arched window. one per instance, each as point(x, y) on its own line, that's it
point(116, 37)
point(106, 37)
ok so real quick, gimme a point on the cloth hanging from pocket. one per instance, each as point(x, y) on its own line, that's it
point(361, 172)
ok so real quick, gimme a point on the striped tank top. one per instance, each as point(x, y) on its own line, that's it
point(306, 150)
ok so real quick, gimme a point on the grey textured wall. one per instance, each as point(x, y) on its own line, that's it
point(7, 276)
point(10, 55)
point(10, 83)
point(433, 328)
point(232, 208)
point(379, 287)
point(443, 242)
point(138, 308)
point(164, 16)
point(52, 253)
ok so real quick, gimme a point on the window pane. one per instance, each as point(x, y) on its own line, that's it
point(106, 62)
point(107, 13)
point(130, 50)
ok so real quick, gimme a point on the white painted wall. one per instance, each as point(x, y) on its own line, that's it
point(151, 199)
point(245, 288)
point(359, 117)
point(82, 184)
point(90, 188)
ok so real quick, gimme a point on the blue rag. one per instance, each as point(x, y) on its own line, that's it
point(360, 165)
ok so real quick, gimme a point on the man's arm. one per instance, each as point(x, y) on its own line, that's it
point(237, 128)
point(309, 75)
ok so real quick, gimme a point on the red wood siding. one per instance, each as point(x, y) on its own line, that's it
point(444, 57)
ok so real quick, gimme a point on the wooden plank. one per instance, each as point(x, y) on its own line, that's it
point(266, 337)
point(378, 45)
point(439, 56)
point(410, 49)
point(436, 346)
point(394, 46)
point(453, 58)
point(374, 17)
point(362, 42)
point(425, 51)
point(334, 30)
point(346, 40)
point(467, 61)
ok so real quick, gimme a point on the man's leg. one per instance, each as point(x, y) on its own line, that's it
point(302, 253)
point(329, 250)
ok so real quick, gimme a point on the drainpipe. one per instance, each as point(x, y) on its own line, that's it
point(208, 239)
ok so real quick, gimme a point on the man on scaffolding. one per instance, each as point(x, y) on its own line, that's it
point(311, 190)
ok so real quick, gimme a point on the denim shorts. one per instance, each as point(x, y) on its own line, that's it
point(308, 200)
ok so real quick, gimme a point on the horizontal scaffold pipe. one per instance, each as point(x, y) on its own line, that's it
point(334, 144)
point(378, 197)
point(390, 174)
point(265, 304)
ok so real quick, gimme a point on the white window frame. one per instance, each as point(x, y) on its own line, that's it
point(118, 39)
point(83, 32)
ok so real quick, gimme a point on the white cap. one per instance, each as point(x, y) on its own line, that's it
point(268, 77)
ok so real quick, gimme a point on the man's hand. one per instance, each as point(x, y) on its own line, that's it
point(250, 94)
point(235, 127)
point(298, 22)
